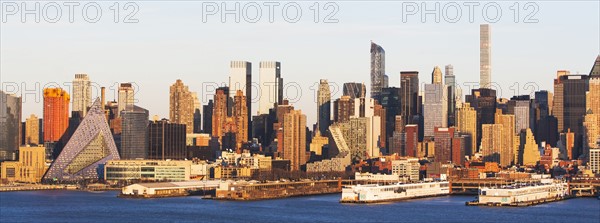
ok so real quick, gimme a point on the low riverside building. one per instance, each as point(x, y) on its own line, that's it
point(167, 189)
point(148, 170)
point(29, 169)
point(408, 169)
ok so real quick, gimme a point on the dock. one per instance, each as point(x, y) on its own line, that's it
point(245, 191)
point(169, 189)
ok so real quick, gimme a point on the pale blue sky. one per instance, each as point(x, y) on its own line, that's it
point(171, 42)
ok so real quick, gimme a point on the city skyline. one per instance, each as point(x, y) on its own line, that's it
point(406, 44)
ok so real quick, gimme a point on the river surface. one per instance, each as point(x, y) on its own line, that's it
point(80, 206)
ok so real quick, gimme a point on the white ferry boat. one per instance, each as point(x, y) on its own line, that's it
point(373, 193)
point(522, 195)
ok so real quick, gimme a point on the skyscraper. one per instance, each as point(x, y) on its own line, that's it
point(377, 70)
point(595, 72)
point(294, 139)
point(343, 109)
point(573, 106)
point(443, 143)
point(240, 116)
point(56, 113)
point(491, 142)
point(207, 110)
point(450, 83)
point(592, 117)
point(91, 146)
point(520, 107)
point(507, 136)
point(466, 122)
point(531, 153)
point(32, 130)
point(126, 98)
point(166, 140)
point(390, 101)
point(409, 87)
point(82, 93)
point(10, 125)
point(323, 107)
point(219, 114)
point(434, 108)
point(485, 56)
point(484, 102)
point(134, 134)
point(240, 78)
point(181, 109)
point(354, 90)
point(271, 86)
point(436, 75)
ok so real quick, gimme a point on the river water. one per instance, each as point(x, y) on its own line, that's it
point(80, 206)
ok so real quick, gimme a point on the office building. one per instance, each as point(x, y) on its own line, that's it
point(30, 167)
point(219, 113)
point(343, 109)
point(166, 140)
point(271, 86)
point(436, 75)
point(181, 109)
point(570, 109)
point(450, 83)
point(377, 70)
point(434, 108)
point(507, 148)
point(134, 134)
point(240, 78)
point(126, 98)
point(466, 123)
point(531, 152)
point(240, 116)
point(207, 110)
point(491, 142)
point(484, 103)
point(147, 170)
point(409, 87)
point(323, 107)
point(354, 90)
point(294, 138)
point(443, 143)
point(32, 130)
point(82, 93)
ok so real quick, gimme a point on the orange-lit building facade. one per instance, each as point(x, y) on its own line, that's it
point(56, 113)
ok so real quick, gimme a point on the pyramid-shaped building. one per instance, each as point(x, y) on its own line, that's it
point(90, 147)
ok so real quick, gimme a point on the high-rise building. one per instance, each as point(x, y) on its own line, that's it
point(294, 139)
point(390, 101)
point(595, 72)
point(219, 114)
point(507, 148)
point(240, 78)
point(592, 117)
point(485, 56)
point(520, 107)
point(181, 109)
point(134, 134)
point(82, 93)
point(484, 102)
point(443, 143)
point(491, 142)
point(434, 109)
point(166, 140)
point(450, 83)
point(56, 113)
point(459, 144)
point(411, 140)
point(343, 109)
point(409, 87)
point(531, 152)
point(323, 107)
point(10, 125)
point(207, 110)
point(126, 98)
point(594, 162)
point(240, 116)
point(32, 130)
point(354, 90)
point(91, 146)
point(466, 123)
point(570, 101)
point(271, 86)
point(377, 70)
point(436, 75)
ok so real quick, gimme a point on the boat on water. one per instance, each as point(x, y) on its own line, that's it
point(522, 194)
point(374, 193)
